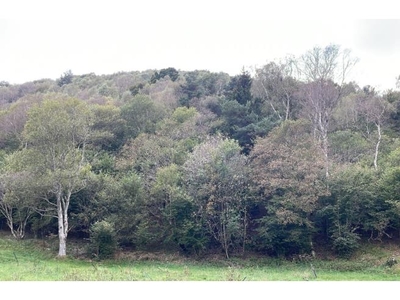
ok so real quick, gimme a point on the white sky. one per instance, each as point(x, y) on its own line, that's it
point(44, 38)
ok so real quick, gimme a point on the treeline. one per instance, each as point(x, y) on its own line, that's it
point(275, 161)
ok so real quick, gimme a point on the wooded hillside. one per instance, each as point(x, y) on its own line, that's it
point(275, 160)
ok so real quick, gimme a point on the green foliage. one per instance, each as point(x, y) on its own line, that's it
point(279, 239)
point(118, 200)
point(182, 114)
point(243, 124)
point(357, 205)
point(136, 89)
point(345, 243)
point(103, 240)
point(216, 178)
point(108, 128)
point(348, 146)
point(57, 132)
point(200, 84)
point(239, 88)
point(242, 118)
point(171, 72)
point(66, 78)
point(167, 215)
point(141, 115)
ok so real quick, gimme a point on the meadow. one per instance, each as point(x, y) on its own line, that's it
point(33, 260)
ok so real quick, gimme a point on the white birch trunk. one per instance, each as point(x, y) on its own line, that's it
point(62, 214)
point(377, 146)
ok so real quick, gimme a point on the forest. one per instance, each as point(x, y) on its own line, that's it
point(275, 160)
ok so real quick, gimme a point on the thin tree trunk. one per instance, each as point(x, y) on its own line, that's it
point(325, 147)
point(244, 230)
point(377, 146)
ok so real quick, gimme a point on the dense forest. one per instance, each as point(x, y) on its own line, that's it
point(275, 160)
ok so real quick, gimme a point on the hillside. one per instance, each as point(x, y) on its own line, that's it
point(277, 161)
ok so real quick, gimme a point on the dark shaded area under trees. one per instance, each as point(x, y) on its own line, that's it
point(277, 161)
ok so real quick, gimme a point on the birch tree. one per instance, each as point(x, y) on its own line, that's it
point(15, 204)
point(324, 71)
point(375, 110)
point(275, 85)
point(56, 135)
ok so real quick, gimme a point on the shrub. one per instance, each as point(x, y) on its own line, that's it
point(103, 240)
point(345, 243)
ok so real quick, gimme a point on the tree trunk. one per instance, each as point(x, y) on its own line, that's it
point(377, 146)
point(62, 214)
point(62, 249)
point(326, 155)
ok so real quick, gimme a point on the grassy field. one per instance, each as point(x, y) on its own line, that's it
point(33, 260)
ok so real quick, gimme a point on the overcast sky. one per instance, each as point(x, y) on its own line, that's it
point(47, 38)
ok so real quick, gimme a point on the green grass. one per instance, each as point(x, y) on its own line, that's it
point(30, 260)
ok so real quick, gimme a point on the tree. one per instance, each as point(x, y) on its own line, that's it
point(286, 169)
point(275, 85)
point(119, 201)
point(56, 134)
point(242, 118)
point(171, 72)
point(357, 205)
point(215, 176)
point(375, 109)
point(239, 88)
point(17, 198)
point(66, 78)
point(324, 71)
point(108, 128)
point(141, 115)
point(198, 84)
point(168, 215)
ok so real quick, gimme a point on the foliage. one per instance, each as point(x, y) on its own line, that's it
point(66, 78)
point(141, 115)
point(345, 243)
point(107, 128)
point(242, 118)
point(198, 84)
point(57, 132)
point(103, 240)
point(280, 159)
point(171, 72)
point(275, 86)
point(286, 170)
point(216, 178)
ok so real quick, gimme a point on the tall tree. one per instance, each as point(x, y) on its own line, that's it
point(56, 134)
point(242, 118)
point(324, 71)
point(287, 171)
point(216, 177)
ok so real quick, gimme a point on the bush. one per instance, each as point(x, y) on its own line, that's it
point(345, 243)
point(103, 240)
